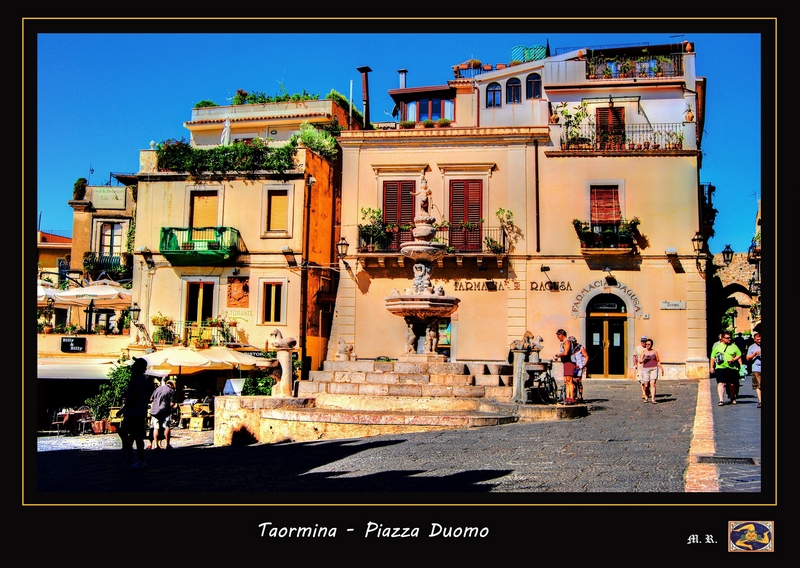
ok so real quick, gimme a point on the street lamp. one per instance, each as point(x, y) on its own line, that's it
point(135, 310)
point(341, 250)
point(727, 255)
point(697, 243)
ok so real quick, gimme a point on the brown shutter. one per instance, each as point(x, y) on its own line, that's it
point(465, 206)
point(278, 210)
point(605, 205)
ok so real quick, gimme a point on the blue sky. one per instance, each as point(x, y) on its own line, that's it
point(103, 97)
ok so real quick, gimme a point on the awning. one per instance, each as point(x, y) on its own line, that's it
point(67, 368)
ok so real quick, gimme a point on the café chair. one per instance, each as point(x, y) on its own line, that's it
point(60, 422)
point(185, 415)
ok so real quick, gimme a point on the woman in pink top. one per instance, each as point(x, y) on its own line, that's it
point(649, 366)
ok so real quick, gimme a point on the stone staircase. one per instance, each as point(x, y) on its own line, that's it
point(355, 399)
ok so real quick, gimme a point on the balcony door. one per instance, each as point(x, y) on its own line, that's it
point(465, 208)
point(398, 208)
point(203, 214)
point(200, 295)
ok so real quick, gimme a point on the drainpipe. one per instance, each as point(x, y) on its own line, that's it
point(365, 93)
point(307, 184)
point(536, 190)
point(477, 107)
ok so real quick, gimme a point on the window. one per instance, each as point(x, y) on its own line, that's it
point(277, 209)
point(493, 99)
point(398, 208)
point(513, 91)
point(605, 208)
point(465, 214)
point(433, 109)
point(277, 218)
point(610, 125)
point(110, 239)
point(272, 300)
point(533, 86)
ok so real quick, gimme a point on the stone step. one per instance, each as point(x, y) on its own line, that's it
point(312, 388)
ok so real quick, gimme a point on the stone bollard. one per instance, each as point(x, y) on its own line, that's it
point(520, 374)
point(284, 387)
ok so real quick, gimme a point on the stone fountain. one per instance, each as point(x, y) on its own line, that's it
point(422, 305)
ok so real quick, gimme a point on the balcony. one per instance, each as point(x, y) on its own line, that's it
point(649, 138)
point(606, 239)
point(118, 265)
point(199, 246)
point(478, 241)
point(643, 67)
point(193, 335)
point(754, 252)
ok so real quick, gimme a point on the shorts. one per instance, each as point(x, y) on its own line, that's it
point(726, 375)
point(647, 374)
point(757, 380)
point(569, 371)
point(159, 423)
point(133, 426)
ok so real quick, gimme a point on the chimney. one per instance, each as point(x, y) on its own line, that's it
point(403, 73)
point(365, 93)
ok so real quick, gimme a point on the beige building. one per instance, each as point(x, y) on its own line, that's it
point(605, 201)
point(253, 247)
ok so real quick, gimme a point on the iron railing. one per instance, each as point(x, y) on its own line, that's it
point(198, 238)
point(648, 136)
point(457, 239)
point(191, 334)
point(607, 235)
point(643, 67)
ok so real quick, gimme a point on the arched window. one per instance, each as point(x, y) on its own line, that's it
point(513, 91)
point(533, 86)
point(493, 96)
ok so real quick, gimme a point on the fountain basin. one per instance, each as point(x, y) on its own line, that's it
point(422, 306)
point(423, 251)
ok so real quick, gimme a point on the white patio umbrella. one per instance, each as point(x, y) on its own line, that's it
point(102, 296)
point(184, 361)
point(242, 361)
point(44, 291)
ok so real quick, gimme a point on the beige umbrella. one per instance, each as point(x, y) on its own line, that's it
point(100, 296)
point(185, 361)
point(238, 359)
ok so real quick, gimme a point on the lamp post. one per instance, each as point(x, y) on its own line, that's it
point(341, 250)
point(697, 245)
point(135, 310)
point(727, 255)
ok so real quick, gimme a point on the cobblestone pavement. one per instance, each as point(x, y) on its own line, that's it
point(638, 452)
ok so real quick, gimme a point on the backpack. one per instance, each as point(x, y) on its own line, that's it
point(576, 355)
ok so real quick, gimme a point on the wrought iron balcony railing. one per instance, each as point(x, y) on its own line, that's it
point(475, 239)
point(619, 235)
point(118, 264)
point(650, 137)
point(193, 335)
point(199, 246)
point(642, 67)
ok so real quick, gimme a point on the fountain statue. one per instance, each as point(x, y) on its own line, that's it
point(422, 305)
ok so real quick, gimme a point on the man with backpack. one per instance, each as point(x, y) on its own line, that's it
point(579, 357)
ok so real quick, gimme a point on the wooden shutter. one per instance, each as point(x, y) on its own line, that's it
point(278, 210)
point(204, 209)
point(465, 207)
point(611, 124)
point(605, 205)
point(398, 207)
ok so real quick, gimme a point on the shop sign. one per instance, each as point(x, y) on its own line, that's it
point(73, 345)
point(551, 286)
point(108, 196)
point(618, 288)
point(667, 305)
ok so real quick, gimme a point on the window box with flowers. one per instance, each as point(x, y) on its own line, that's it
point(161, 320)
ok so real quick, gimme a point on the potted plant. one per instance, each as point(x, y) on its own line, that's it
point(689, 113)
point(428, 123)
point(514, 62)
point(492, 245)
point(443, 122)
point(70, 329)
point(406, 124)
point(125, 322)
point(79, 189)
point(99, 329)
point(474, 63)
point(161, 320)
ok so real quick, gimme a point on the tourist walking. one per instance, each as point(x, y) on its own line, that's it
point(637, 352)
point(650, 365)
point(725, 360)
point(134, 415)
point(163, 401)
point(565, 356)
point(754, 359)
point(580, 357)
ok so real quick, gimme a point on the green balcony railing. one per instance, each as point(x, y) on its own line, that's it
point(199, 246)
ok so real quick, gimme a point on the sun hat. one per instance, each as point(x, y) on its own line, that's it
point(643, 338)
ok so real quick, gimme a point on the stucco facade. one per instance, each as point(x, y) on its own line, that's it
point(514, 159)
